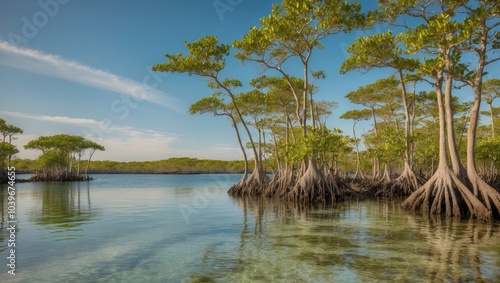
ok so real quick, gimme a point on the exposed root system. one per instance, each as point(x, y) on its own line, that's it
point(314, 187)
point(251, 186)
point(445, 194)
point(486, 194)
point(280, 184)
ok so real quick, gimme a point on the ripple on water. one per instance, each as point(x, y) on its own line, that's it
point(177, 230)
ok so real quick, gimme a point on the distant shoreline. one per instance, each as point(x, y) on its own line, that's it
point(123, 173)
point(177, 165)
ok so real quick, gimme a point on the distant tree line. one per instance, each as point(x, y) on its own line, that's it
point(183, 165)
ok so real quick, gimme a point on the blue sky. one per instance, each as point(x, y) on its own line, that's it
point(83, 68)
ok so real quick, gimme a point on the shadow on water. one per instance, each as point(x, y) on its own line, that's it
point(356, 241)
point(64, 206)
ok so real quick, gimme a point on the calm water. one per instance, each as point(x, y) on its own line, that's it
point(180, 228)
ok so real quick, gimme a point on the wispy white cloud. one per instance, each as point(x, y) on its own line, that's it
point(56, 66)
point(89, 123)
point(56, 119)
point(122, 143)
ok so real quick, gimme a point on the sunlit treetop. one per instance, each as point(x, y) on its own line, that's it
point(206, 57)
point(294, 28)
point(63, 143)
point(357, 115)
point(377, 51)
point(212, 104)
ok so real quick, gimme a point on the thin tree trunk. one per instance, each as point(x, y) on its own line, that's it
point(233, 123)
point(304, 101)
point(358, 158)
point(481, 189)
point(79, 159)
point(88, 162)
point(407, 118)
point(444, 192)
point(492, 121)
point(452, 145)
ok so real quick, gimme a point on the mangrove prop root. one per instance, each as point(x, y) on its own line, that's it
point(445, 194)
point(486, 194)
point(254, 185)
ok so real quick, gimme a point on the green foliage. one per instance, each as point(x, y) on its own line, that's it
point(377, 51)
point(25, 165)
point(442, 31)
point(59, 152)
point(8, 130)
point(7, 150)
point(212, 104)
point(491, 90)
point(357, 115)
point(320, 142)
point(376, 93)
point(489, 151)
point(206, 58)
point(388, 145)
point(52, 159)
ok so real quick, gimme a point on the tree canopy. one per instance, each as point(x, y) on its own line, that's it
point(59, 155)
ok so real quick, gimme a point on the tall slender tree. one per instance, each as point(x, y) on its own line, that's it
point(207, 58)
point(490, 92)
point(293, 31)
point(91, 147)
point(482, 36)
point(437, 36)
point(356, 116)
point(381, 51)
point(215, 105)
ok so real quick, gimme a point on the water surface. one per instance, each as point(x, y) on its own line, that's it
point(185, 228)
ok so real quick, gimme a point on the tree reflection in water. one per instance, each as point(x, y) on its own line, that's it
point(64, 206)
point(4, 217)
point(357, 241)
point(457, 249)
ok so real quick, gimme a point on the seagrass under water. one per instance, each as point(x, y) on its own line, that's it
point(185, 228)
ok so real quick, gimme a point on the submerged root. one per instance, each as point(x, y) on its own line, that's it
point(486, 194)
point(244, 189)
point(314, 188)
point(280, 185)
point(445, 194)
point(251, 186)
point(342, 187)
point(59, 178)
point(311, 188)
point(402, 186)
point(406, 183)
point(380, 188)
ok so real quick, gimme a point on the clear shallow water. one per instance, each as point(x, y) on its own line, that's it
point(185, 228)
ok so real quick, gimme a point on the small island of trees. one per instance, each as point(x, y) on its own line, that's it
point(60, 159)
